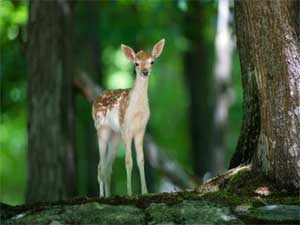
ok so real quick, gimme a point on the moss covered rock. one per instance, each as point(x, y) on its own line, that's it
point(185, 212)
point(285, 214)
point(190, 212)
point(237, 197)
point(89, 213)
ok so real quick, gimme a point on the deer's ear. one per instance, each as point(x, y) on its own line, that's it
point(129, 53)
point(158, 47)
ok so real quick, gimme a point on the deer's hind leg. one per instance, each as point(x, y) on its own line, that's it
point(115, 140)
point(104, 135)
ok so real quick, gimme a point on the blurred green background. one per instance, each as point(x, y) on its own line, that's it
point(98, 30)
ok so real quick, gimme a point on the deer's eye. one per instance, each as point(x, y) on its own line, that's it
point(152, 62)
point(136, 64)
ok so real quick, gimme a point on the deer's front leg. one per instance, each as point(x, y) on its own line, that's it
point(128, 161)
point(138, 141)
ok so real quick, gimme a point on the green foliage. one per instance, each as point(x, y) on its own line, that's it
point(11, 18)
point(12, 157)
point(235, 112)
point(13, 135)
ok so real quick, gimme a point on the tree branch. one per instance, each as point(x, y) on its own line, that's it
point(86, 86)
point(167, 166)
point(156, 158)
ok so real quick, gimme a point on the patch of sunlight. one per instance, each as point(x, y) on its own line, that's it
point(21, 15)
point(121, 61)
point(6, 9)
point(16, 128)
point(15, 94)
point(13, 142)
point(182, 5)
point(12, 32)
point(14, 15)
point(119, 79)
point(11, 17)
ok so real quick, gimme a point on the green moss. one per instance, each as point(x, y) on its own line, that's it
point(244, 187)
point(235, 183)
point(190, 212)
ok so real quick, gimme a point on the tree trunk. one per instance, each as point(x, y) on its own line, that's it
point(95, 52)
point(249, 134)
point(268, 39)
point(199, 84)
point(51, 164)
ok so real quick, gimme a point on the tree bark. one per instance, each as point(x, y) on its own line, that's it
point(268, 34)
point(51, 163)
point(249, 134)
point(199, 84)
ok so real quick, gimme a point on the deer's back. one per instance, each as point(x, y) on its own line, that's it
point(109, 108)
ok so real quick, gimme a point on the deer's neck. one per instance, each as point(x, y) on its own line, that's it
point(139, 92)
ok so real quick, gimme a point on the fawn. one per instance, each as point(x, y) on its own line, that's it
point(124, 113)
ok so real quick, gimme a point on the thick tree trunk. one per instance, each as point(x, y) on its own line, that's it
point(268, 35)
point(196, 66)
point(51, 169)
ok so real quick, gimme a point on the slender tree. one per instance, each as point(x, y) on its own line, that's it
point(51, 164)
point(223, 97)
point(196, 66)
point(268, 42)
point(94, 49)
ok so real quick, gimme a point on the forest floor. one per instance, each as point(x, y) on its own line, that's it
point(238, 196)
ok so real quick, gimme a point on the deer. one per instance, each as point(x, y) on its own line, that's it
point(124, 114)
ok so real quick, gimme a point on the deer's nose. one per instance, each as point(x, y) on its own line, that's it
point(145, 72)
